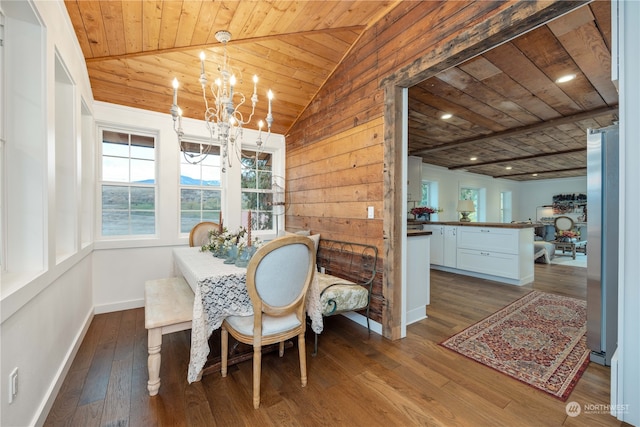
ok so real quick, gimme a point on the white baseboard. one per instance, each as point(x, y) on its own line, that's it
point(118, 306)
point(56, 385)
point(362, 320)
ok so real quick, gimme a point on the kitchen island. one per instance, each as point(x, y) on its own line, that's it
point(501, 252)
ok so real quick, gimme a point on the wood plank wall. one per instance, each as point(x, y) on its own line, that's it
point(412, 43)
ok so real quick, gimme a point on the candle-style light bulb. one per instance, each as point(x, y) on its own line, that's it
point(255, 84)
point(232, 80)
point(260, 124)
point(175, 91)
point(270, 96)
point(202, 56)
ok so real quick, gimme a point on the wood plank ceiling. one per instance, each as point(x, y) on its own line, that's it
point(507, 109)
point(510, 119)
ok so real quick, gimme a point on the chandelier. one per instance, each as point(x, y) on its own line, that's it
point(224, 120)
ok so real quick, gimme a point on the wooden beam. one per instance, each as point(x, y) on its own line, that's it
point(515, 159)
point(522, 130)
point(540, 173)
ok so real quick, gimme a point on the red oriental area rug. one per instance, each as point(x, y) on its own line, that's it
point(539, 340)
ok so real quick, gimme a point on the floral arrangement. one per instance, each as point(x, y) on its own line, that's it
point(569, 233)
point(220, 241)
point(422, 210)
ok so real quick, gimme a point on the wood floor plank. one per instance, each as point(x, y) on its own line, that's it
point(355, 380)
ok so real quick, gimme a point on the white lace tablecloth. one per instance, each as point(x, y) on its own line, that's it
point(220, 291)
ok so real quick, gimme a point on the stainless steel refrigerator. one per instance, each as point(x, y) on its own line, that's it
point(602, 242)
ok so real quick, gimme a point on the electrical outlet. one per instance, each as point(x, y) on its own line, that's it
point(13, 385)
point(370, 212)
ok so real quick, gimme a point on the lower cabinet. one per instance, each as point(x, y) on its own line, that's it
point(496, 253)
point(443, 244)
point(418, 278)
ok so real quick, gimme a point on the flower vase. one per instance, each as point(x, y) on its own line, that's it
point(245, 256)
point(232, 255)
point(425, 217)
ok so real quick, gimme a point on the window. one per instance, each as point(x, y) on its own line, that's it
point(128, 184)
point(474, 195)
point(429, 194)
point(505, 206)
point(257, 192)
point(200, 187)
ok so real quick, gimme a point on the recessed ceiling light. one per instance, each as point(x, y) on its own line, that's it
point(535, 174)
point(566, 78)
point(508, 168)
point(446, 116)
point(473, 159)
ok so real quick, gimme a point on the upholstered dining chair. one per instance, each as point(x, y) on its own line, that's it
point(563, 223)
point(199, 234)
point(278, 277)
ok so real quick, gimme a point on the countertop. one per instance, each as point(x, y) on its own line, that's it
point(411, 233)
point(477, 224)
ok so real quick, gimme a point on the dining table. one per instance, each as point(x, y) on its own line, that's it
point(220, 291)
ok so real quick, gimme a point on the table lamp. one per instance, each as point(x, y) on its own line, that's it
point(465, 207)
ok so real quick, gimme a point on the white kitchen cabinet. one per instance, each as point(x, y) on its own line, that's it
point(414, 179)
point(443, 244)
point(502, 254)
point(418, 277)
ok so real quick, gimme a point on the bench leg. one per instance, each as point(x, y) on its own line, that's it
point(154, 343)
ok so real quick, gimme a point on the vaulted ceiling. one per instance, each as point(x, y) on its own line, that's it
point(507, 109)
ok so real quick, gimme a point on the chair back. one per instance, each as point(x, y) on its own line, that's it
point(563, 223)
point(279, 275)
point(199, 234)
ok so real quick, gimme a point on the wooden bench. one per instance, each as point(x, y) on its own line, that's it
point(168, 307)
point(346, 273)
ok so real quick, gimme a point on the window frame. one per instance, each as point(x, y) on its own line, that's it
point(181, 186)
point(137, 131)
point(273, 174)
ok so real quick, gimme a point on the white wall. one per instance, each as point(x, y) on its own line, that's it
point(450, 182)
point(46, 302)
point(539, 193)
point(138, 260)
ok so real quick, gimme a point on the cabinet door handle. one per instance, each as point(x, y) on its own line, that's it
point(485, 231)
point(485, 253)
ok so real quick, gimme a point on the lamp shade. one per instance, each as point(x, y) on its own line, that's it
point(466, 206)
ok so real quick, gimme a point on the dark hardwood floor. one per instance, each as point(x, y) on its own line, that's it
point(353, 381)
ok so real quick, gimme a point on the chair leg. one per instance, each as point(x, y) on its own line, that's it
point(315, 345)
point(257, 363)
point(281, 349)
point(303, 359)
point(224, 350)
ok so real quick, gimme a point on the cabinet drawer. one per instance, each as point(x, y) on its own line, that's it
point(488, 262)
point(488, 239)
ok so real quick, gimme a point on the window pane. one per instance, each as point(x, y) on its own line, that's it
point(115, 223)
point(248, 178)
point(188, 219)
point(262, 220)
point(143, 198)
point(264, 201)
point(138, 152)
point(143, 171)
point(264, 180)
point(211, 176)
point(211, 200)
point(189, 174)
point(115, 197)
point(115, 169)
point(142, 222)
point(115, 149)
point(190, 199)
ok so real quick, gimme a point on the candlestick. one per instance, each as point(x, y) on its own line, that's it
point(255, 84)
point(202, 62)
point(270, 96)
point(249, 228)
point(175, 91)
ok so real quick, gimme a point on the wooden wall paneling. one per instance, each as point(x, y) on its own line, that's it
point(477, 30)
